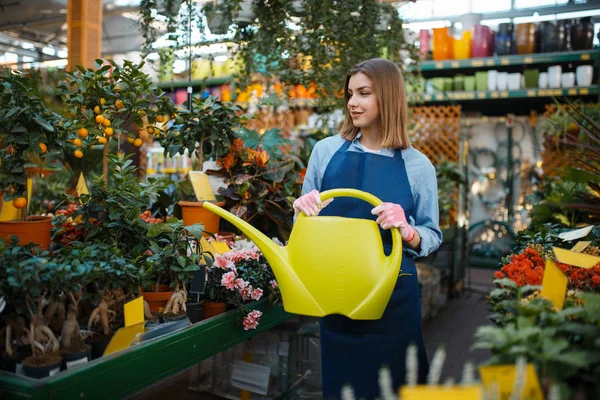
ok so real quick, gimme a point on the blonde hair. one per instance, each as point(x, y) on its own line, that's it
point(393, 109)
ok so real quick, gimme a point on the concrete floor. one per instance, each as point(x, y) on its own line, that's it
point(454, 327)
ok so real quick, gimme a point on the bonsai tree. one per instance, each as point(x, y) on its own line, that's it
point(172, 254)
point(15, 312)
point(205, 131)
point(28, 137)
point(100, 105)
point(38, 279)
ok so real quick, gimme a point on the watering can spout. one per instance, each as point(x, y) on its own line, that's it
point(272, 252)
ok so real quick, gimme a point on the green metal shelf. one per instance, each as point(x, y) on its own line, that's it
point(527, 59)
point(197, 82)
point(127, 372)
point(508, 94)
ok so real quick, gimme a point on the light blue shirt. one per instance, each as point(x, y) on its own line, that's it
point(421, 176)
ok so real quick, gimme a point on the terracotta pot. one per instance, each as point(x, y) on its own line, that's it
point(161, 288)
point(212, 309)
point(35, 229)
point(35, 171)
point(157, 300)
point(193, 212)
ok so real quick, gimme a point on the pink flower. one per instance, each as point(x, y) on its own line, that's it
point(274, 284)
point(229, 281)
point(257, 294)
point(246, 292)
point(223, 262)
point(242, 283)
point(251, 320)
point(148, 253)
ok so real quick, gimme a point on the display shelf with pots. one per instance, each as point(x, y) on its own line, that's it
point(512, 60)
point(505, 94)
point(153, 360)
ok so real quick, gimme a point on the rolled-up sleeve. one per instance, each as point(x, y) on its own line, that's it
point(312, 179)
point(426, 219)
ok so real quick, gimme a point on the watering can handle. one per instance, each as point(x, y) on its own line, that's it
point(369, 198)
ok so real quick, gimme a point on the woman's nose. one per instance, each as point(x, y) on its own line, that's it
point(352, 101)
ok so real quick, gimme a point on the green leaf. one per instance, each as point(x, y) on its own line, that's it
point(155, 230)
point(578, 359)
point(195, 230)
point(181, 261)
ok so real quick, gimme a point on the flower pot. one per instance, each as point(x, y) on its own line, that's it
point(161, 288)
point(246, 14)
point(42, 367)
point(193, 212)
point(35, 229)
point(71, 359)
point(99, 343)
point(157, 300)
point(14, 364)
point(218, 23)
point(211, 308)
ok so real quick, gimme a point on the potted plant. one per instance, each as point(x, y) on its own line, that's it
point(15, 331)
point(28, 138)
point(38, 278)
point(205, 131)
point(170, 247)
point(260, 178)
point(106, 101)
point(238, 277)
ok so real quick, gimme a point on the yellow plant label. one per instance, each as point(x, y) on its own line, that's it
point(81, 186)
point(478, 63)
point(585, 57)
point(441, 392)
point(527, 60)
point(201, 186)
point(554, 284)
point(575, 259)
point(503, 376)
point(8, 212)
point(124, 338)
point(134, 312)
point(220, 247)
point(580, 246)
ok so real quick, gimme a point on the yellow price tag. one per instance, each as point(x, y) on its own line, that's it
point(572, 92)
point(220, 247)
point(576, 259)
point(554, 284)
point(584, 91)
point(495, 95)
point(504, 95)
point(201, 186)
point(441, 392)
point(81, 186)
point(505, 61)
point(134, 312)
point(585, 57)
point(455, 64)
point(439, 65)
point(490, 63)
point(124, 338)
point(580, 246)
point(527, 60)
point(531, 93)
point(478, 63)
point(439, 97)
point(504, 377)
point(481, 95)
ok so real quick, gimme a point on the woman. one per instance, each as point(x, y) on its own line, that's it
point(372, 153)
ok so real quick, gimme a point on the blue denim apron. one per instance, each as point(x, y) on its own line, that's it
point(352, 352)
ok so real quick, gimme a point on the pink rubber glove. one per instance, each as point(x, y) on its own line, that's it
point(391, 215)
point(310, 203)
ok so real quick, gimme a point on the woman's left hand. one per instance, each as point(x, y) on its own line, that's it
point(391, 215)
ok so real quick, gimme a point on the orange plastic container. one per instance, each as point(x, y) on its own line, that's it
point(157, 300)
point(36, 230)
point(193, 212)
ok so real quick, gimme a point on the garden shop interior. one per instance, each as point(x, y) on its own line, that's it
point(257, 199)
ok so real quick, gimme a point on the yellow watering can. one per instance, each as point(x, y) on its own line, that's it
point(331, 265)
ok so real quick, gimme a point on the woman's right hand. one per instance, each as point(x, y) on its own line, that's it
point(310, 203)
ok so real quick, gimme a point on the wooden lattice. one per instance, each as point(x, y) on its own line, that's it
point(557, 157)
point(436, 133)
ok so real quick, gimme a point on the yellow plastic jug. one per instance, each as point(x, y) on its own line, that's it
point(331, 265)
